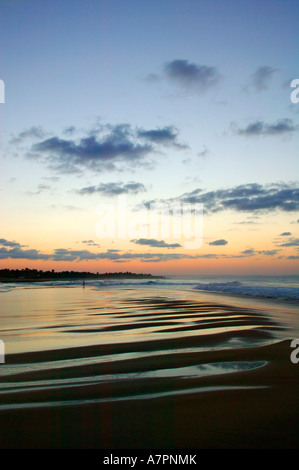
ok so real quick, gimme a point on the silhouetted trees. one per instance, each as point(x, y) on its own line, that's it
point(39, 275)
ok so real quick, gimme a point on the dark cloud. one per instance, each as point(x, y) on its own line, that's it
point(113, 189)
point(260, 128)
point(247, 198)
point(262, 77)
point(285, 234)
point(89, 243)
point(220, 242)
point(105, 148)
point(14, 250)
point(190, 75)
point(10, 244)
point(70, 157)
point(155, 243)
point(251, 252)
point(164, 136)
point(291, 242)
point(19, 253)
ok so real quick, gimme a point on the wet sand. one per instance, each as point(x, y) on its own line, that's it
point(148, 379)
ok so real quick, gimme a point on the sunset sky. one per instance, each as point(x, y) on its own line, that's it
point(173, 101)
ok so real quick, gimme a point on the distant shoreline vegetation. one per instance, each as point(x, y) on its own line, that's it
point(35, 275)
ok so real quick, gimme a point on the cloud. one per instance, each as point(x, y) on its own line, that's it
point(189, 75)
point(40, 189)
point(34, 132)
point(10, 244)
point(220, 242)
point(67, 156)
point(260, 128)
point(106, 147)
point(15, 251)
point(113, 189)
point(285, 234)
point(291, 242)
point(262, 77)
point(155, 243)
point(204, 153)
point(247, 198)
point(164, 136)
point(89, 243)
point(19, 253)
point(62, 254)
point(252, 252)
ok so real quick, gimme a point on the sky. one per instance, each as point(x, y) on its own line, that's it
point(149, 136)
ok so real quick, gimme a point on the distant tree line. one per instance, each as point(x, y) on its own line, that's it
point(39, 275)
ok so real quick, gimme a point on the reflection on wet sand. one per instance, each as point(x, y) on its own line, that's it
point(123, 367)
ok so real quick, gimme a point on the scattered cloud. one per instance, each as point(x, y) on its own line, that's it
point(189, 75)
point(262, 77)
point(220, 242)
point(291, 242)
point(15, 251)
point(285, 234)
point(252, 252)
point(18, 253)
point(163, 136)
point(89, 243)
point(260, 128)
point(249, 198)
point(10, 244)
point(105, 147)
point(204, 153)
point(155, 243)
point(34, 132)
point(113, 189)
point(41, 188)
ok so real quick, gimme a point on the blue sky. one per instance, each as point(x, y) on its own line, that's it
point(172, 96)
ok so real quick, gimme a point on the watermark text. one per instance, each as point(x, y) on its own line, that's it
point(177, 221)
point(2, 352)
point(2, 92)
point(295, 354)
point(295, 93)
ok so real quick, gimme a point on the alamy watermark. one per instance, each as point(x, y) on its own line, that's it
point(177, 221)
point(295, 354)
point(2, 352)
point(2, 92)
point(295, 93)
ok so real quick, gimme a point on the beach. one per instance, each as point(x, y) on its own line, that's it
point(146, 365)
